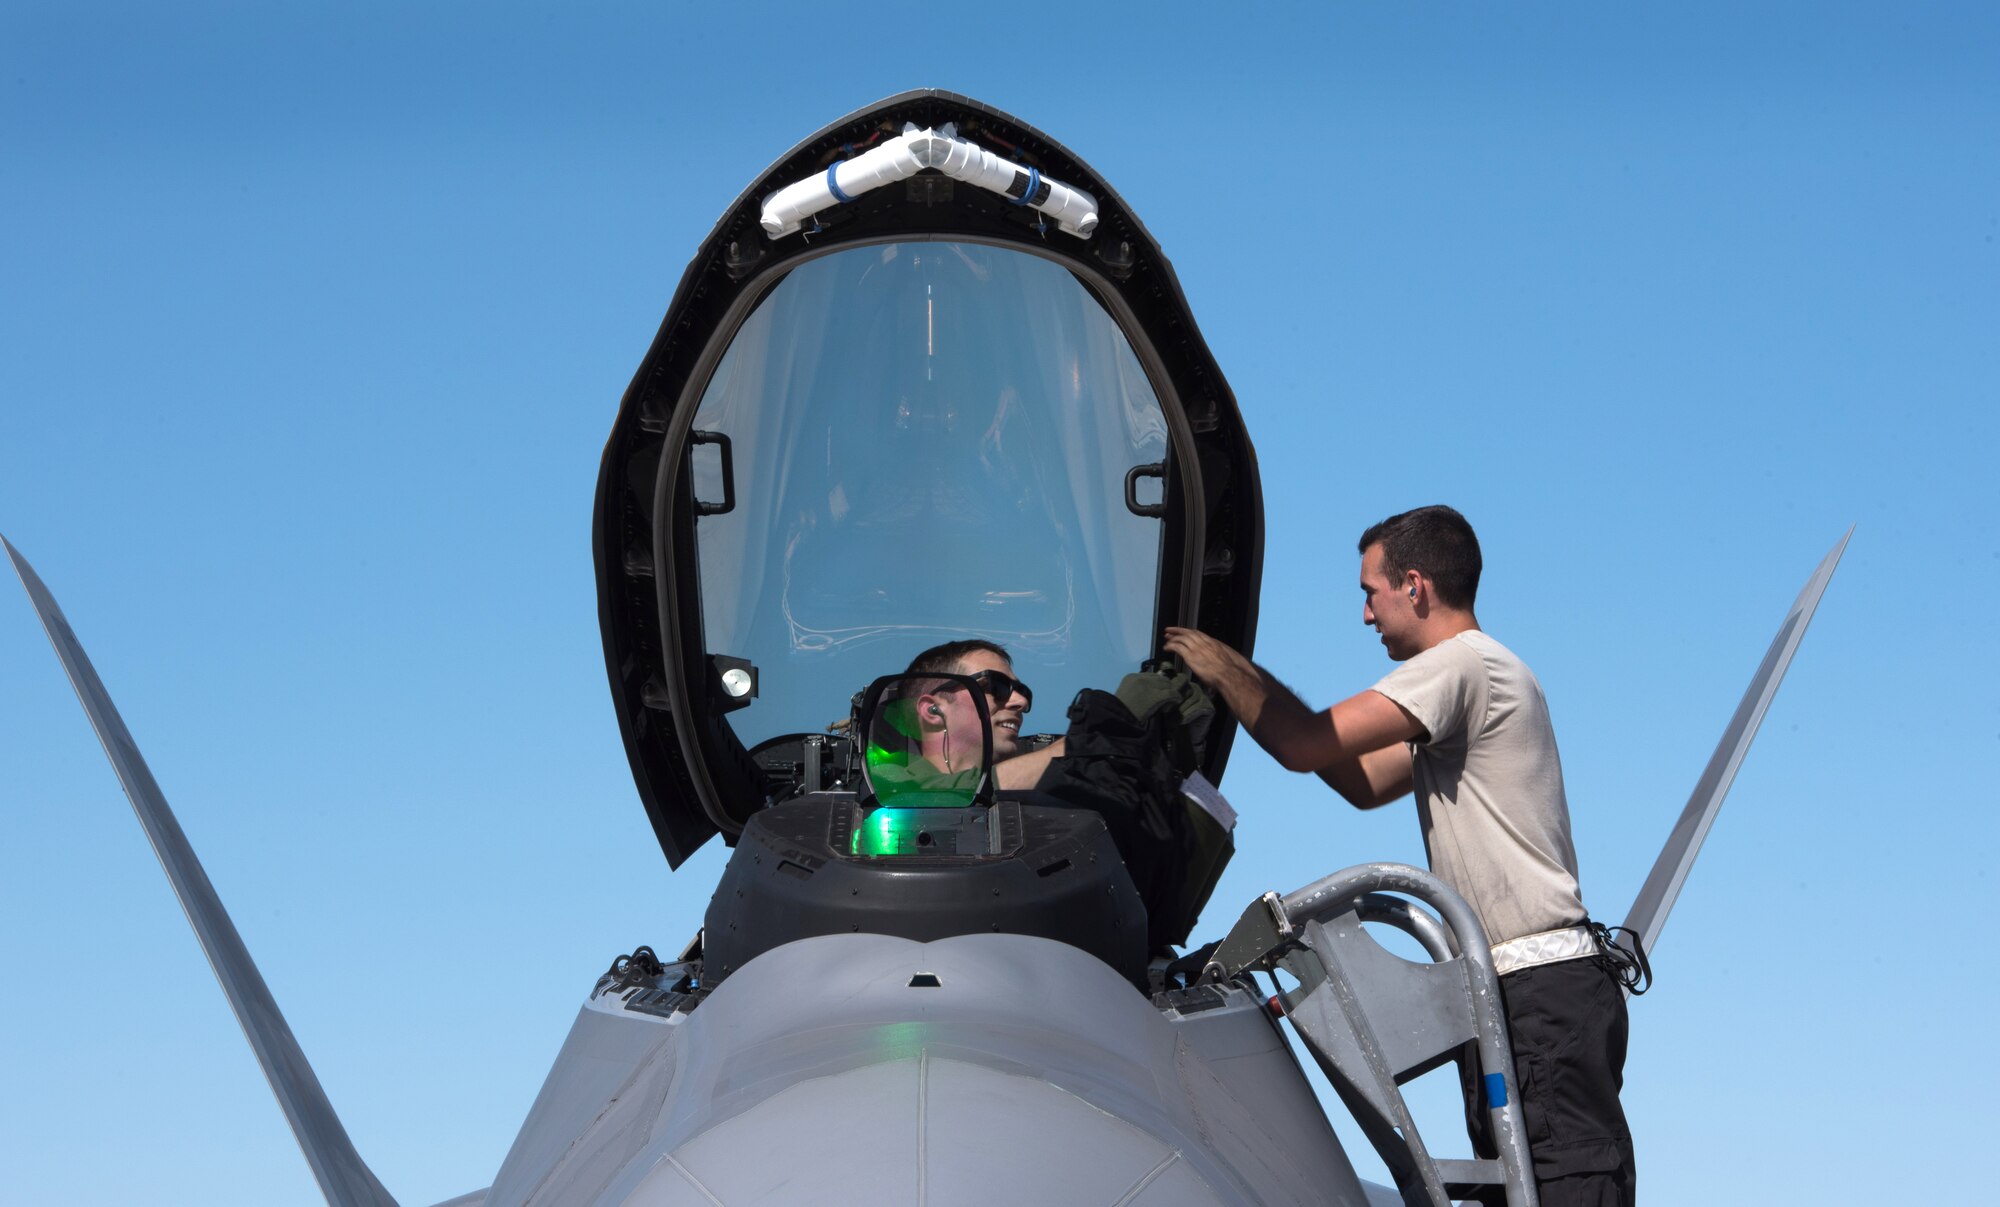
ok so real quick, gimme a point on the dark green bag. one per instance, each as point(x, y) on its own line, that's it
point(1125, 757)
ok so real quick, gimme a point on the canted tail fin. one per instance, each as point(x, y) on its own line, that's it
point(1663, 883)
point(343, 1176)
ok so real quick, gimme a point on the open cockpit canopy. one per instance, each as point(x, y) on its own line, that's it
point(928, 379)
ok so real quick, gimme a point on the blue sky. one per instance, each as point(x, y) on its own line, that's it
point(315, 320)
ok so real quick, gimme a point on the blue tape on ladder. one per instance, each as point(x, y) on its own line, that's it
point(833, 186)
point(1496, 1091)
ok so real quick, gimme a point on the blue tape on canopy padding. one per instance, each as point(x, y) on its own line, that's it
point(832, 185)
point(1034, 182)
point(1496, 1091)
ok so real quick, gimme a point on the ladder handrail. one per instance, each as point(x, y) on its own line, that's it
point(1316, 934)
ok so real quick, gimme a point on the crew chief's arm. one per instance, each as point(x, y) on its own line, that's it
point(1371, 779)
point(1356, 746)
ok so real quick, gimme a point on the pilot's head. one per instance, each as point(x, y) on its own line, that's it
point(1007, 698)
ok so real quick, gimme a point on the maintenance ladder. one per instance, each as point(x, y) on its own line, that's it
point(1375, 1021)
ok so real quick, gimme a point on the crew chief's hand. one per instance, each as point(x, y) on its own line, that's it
point(1214, 663)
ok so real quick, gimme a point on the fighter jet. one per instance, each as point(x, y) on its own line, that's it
point(930, 379)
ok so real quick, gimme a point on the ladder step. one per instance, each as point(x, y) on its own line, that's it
point(1472, 1179)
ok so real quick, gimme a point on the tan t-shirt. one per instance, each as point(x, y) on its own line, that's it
point(1489, 785)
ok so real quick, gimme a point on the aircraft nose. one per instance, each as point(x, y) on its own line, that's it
point(914, 1073)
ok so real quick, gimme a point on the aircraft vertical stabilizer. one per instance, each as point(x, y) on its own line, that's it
point(343, 1176)
point(1663, 883)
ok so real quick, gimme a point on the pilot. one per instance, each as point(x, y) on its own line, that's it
point(1463, 721)
point(947, 710)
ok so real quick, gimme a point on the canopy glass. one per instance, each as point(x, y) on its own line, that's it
point(930, 441)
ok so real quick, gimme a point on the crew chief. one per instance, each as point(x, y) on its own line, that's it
point(1463, 722)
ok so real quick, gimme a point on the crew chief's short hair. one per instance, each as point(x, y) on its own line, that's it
point(1436, 542)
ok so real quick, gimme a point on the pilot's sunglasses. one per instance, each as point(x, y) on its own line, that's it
point(1001, 688)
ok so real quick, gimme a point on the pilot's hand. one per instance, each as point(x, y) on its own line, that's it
point(1208, 660)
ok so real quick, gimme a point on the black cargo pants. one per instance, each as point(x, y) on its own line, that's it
point(1568, 1027)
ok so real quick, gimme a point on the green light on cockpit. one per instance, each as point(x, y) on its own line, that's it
point(889, 832)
